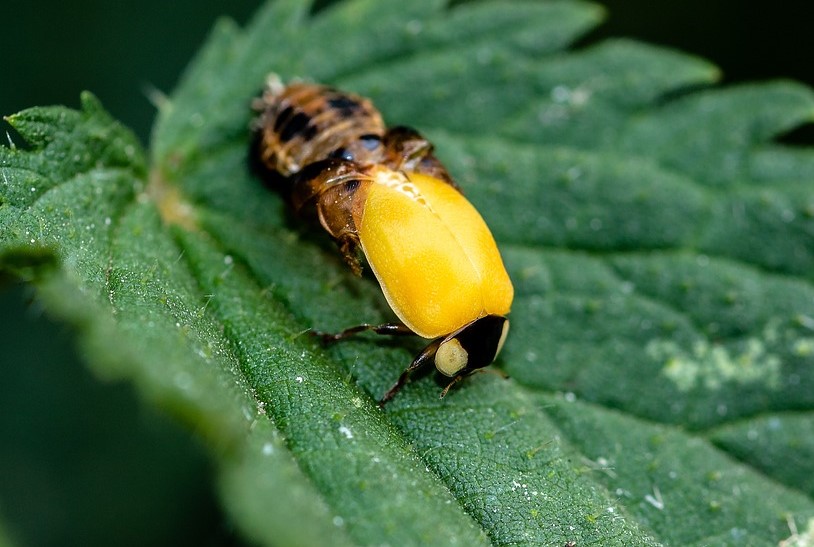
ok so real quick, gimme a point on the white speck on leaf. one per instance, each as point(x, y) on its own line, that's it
point(804, 539)
point(344, 430)
point(655, 499)
point(712, 366)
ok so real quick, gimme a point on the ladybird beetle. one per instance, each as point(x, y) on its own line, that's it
point(381, 193)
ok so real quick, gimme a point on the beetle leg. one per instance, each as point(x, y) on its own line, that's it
point(313, 180)
point(334, 189)
point(453, 382)
point(391, 329)
point(421, 360)
point(463, 375)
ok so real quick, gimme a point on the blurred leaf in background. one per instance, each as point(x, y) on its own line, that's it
point(660, 244)
point(83, 463)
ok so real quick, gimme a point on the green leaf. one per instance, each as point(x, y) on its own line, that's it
point(660, 241)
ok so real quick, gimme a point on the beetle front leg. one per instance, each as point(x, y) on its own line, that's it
point(454, 381)
point(421, 360)
point(464, 374)
point(390, 329)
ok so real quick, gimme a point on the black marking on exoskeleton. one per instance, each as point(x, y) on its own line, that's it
point(298, 125)
point(282, 118)
point(272, 179)
point(352, 185)
point(480, 340)
point(345, 105)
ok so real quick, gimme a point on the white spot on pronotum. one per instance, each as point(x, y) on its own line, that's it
point(451, 357)
point(338, 521)
point(268, 449)
point(228, 260)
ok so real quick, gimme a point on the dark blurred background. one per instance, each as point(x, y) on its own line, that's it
point(81, 462)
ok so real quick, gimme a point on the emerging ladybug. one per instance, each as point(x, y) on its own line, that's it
point(382, 191)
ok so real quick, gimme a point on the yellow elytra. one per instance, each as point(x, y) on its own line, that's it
point(381, 192)
point(435, 258)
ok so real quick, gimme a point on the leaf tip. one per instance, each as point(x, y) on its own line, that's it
point(598, 12)
point(90, 102)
